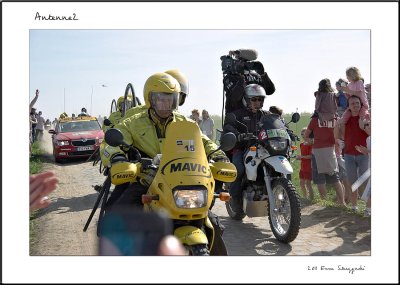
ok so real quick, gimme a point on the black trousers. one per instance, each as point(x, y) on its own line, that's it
point(127, 195)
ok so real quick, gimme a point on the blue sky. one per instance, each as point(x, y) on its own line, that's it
point(77, 60)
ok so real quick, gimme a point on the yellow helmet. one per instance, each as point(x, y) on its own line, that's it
point(120, 101)
point(183, 82)
point(160, 83)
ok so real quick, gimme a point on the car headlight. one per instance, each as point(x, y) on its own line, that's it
point(278, 145)
point(62, 143)
point(100, 140)
point(190, 199)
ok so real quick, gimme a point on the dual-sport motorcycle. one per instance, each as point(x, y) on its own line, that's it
point(267, 190)
point(181, 182)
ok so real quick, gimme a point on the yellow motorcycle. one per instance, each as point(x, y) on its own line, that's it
point(181, 182)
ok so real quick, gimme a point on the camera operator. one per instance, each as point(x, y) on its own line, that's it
point(240, 68)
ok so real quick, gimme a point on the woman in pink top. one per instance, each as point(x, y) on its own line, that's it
point(355, 87)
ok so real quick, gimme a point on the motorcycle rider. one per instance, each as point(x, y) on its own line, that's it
point(83, 112)
point(146, 131)
point(249, 115)
point(184, 84)
point(116, 116)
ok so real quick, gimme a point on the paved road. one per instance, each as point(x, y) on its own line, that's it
point(324, 231)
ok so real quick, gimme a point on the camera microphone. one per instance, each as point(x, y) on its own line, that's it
point(247, 54)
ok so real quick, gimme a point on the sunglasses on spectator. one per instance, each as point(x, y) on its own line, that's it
point(254, 99)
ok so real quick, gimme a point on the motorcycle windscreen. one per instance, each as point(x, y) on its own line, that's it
point(184, 161)
point(271, 121)
point(273, 135)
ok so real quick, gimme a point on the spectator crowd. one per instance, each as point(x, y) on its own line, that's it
point(339, 135)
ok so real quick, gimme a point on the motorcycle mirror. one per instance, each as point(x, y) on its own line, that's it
point(107, 122)
point(295, 117)
point(230, 118)
point(227, 141)
point(114, 137)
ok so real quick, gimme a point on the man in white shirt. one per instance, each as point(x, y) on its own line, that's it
point(40, 126)
point(207, 125)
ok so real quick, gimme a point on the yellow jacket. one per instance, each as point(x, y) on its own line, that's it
point(145, 133)
point(135, 110)
point(114, 118)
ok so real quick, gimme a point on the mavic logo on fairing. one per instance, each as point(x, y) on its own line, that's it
point(226, 173)
point(123, 175)
point(187, 167)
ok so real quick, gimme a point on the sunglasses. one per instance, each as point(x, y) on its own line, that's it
point(260, 99)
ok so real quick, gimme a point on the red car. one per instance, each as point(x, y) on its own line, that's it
point(76, 137)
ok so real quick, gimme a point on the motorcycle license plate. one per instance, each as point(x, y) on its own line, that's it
point(82, 148)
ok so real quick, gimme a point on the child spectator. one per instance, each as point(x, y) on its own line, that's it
point(356, 88)
point(341, 97)
point(325, 103)
point(305, 173)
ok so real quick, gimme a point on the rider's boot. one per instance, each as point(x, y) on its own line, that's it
point(236, 204)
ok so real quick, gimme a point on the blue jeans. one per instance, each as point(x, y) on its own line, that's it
point(235, 189)
point(356, 165)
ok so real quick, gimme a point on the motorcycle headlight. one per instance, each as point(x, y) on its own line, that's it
point(62, 143)
point(278, 145)
point(190, 199)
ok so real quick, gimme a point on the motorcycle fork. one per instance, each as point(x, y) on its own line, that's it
point(267, 180)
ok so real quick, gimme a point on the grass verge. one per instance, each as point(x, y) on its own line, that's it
point(35, 166)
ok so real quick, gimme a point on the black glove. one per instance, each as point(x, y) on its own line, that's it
point(258, 67)
point(118, 158)
point(222, 158)
point(267, 84)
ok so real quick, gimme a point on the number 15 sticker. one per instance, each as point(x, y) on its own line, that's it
point(187, 145)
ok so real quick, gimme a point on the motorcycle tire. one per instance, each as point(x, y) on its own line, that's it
point(286, 219)
point(198, 250)
point(238, 216)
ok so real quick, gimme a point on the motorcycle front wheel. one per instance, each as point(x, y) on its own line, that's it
point(285, 219)
point(198, 250)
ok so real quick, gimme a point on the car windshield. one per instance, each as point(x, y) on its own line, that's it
point(79, 126)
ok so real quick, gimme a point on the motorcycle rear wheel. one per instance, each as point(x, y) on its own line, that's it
point(198, 250)
point(286, 218)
